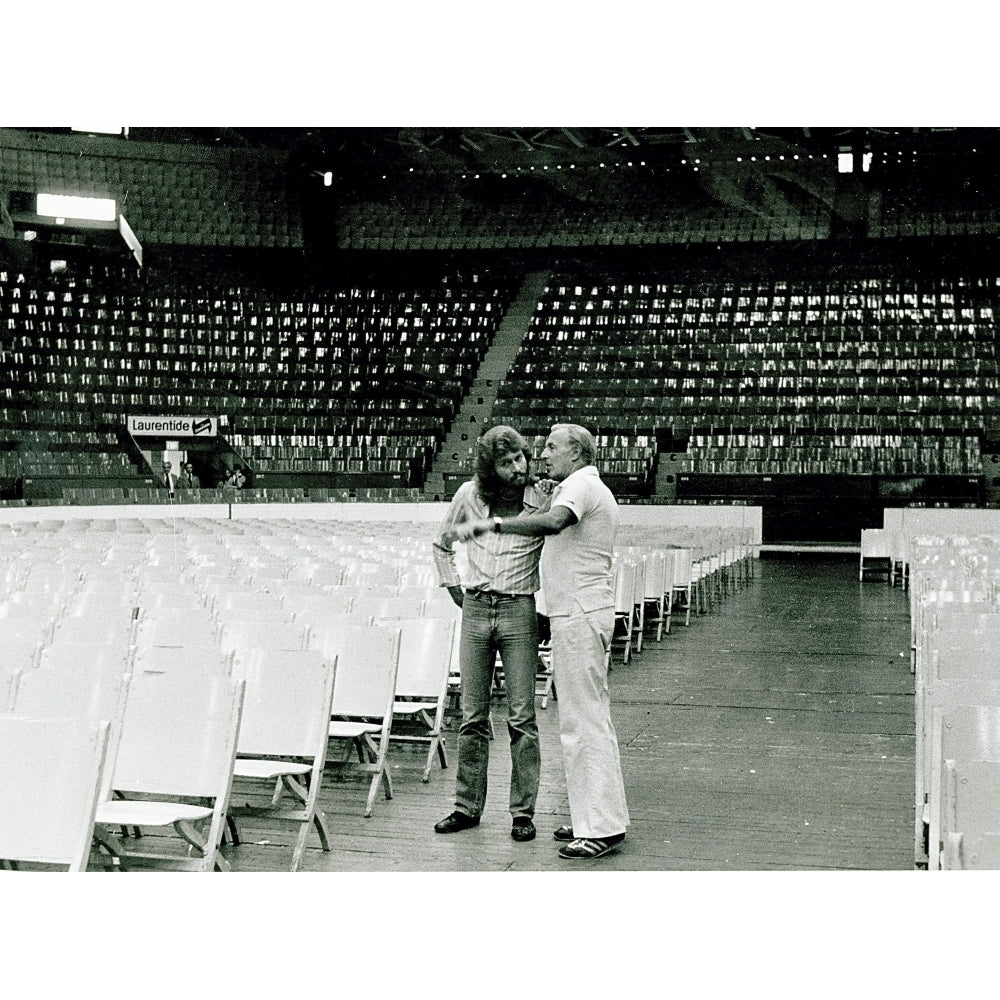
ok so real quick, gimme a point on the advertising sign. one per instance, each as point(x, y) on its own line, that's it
point(174, 427)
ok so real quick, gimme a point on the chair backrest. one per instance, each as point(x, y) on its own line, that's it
point(175, 627)
point(50, 784)
point(240, 637)
point(286, 711)
point(367, 665)
point(179, 735)
point(377, 605)
point(115, 629)
point(657, 580)
point(189, 658)
point(425, 651)
point(625, 576)
point(317, 604)
point(325, 633)
point(683, 566)
point(92, 692)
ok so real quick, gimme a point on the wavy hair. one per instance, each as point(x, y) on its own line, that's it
point(492, 446)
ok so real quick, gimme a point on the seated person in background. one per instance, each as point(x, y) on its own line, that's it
point(187, 480)
point(236, 479)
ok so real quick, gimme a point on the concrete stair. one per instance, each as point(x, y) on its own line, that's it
point(454, 457)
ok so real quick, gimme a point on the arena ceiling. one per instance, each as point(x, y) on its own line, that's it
point(764, 169)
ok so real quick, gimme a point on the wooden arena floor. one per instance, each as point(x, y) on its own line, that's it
point(775, 733)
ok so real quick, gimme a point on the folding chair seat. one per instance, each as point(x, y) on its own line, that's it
point(283, 739)
point(51, 773)
point(425, 655)
point(363, 697)
point(174, 769)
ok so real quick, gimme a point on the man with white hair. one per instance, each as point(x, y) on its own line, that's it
point(577, 582)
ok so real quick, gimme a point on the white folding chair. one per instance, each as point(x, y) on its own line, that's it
point(174, 769)
point(51, 772)
point(425, 653)
point(283, 739)
point(363, 697)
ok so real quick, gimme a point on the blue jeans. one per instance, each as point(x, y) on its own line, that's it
point(490, 624)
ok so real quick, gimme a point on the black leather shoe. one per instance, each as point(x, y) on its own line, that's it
point(456, 821)
point(522, 828)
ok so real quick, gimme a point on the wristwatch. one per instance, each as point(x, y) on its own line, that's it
point(497, 521)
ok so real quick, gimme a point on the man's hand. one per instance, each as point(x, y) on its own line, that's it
point(545, 486)
point(465, 531)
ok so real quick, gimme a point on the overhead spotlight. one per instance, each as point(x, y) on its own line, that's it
point(502, 175)
point(642, 163)
point(602, 164)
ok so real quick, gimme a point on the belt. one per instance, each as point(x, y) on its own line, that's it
point(493, 595)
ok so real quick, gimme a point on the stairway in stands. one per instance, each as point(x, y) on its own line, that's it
point(453, 462)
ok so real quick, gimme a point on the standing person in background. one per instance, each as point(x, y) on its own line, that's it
point(168, 479)
point(187, 479)
point(577, 582)
point(498, 615)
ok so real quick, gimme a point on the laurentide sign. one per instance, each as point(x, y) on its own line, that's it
point(175, 426)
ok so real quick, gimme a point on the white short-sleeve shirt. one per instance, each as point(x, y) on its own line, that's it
point(576, 564)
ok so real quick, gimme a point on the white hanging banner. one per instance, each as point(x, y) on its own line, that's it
point(175, 426)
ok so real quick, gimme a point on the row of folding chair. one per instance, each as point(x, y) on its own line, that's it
point(414, 702)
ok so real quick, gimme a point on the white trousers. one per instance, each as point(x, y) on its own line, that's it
point(594, 781)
